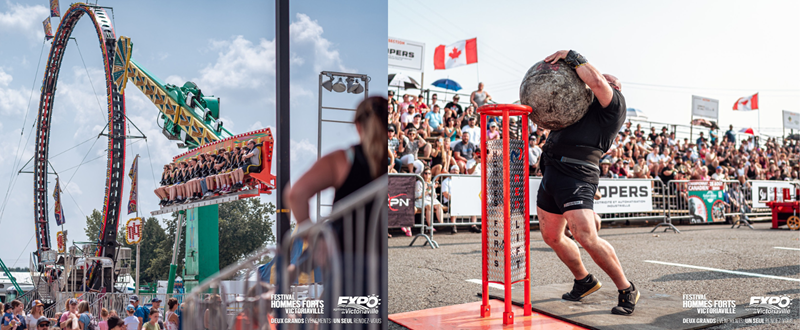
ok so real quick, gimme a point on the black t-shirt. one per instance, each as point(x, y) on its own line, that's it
point(454, 106)
point(667, 178)
point(597, 129)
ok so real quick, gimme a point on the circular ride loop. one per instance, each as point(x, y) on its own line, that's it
point(116, 130)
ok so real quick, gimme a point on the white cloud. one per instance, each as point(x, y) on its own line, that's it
point(256, 125)
point(74, 189)
point(242, 63)
point(305, 31)
point(25, 20)
point(302, 149)
point(12, 101)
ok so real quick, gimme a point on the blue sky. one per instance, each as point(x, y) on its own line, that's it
point(226, 48)
point(717, 49)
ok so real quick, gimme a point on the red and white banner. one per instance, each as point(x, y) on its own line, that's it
point(460, 53)
point(746, 103)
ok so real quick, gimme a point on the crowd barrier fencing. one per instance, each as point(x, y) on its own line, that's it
point(666, 202)
point(354, 269)
point(421, 225)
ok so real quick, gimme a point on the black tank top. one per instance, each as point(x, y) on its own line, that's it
point(358, 176)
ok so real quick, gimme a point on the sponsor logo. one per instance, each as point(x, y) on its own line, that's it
point(763, 194)
point(395, 201)
point(770, 304)
point(358, 304)
point(573, 203)
point(623, 191)
point(401, 53)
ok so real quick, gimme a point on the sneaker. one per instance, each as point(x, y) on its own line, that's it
point(474, 229)
point(453, 230)
point(582, 288)
point(627, 301)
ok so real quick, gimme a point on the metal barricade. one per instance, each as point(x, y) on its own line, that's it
point(421, 225)
point(355, 266)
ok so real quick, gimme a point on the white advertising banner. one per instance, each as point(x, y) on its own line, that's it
point(764, 191)
point(406, 54)
point(791, 120)
point(705, 107)
point(618, 196)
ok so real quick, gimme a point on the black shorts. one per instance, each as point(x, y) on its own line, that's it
point(559, 193)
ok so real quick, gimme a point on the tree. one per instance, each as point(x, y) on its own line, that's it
point(153, 236)
point(244, 226)
point(94, 223)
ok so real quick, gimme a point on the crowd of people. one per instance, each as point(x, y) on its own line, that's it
point(208, 174)
point(78, 316)
point(428, 140)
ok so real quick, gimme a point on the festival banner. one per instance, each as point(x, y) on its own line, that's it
point(134, 175)
point(61, 237)
point(48, 31)
point(54, 11)
point(133, 231)
point(706, 201)
point(401, 201)
point(59, 212)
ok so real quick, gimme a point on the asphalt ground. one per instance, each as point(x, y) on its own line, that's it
point(422, 278)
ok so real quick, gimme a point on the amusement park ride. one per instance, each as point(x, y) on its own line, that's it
point(188, 116)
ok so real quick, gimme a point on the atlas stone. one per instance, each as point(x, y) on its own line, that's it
point(559, 97)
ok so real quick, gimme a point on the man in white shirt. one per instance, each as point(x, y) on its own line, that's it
point(473, 130)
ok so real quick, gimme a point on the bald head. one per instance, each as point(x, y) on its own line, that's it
point(613, 81)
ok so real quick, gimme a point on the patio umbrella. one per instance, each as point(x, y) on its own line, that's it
point(400, 80)
point(634, 113)
point(447, 84)
point(748, 131)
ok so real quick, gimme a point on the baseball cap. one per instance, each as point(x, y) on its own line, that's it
point(391, 128)
point(134, 298)
point(73, 301)
point(36, 302)
point(155, 300)
point(114, 322)
point(130, 308)
point(43, 320)
point(605, 161)
point(493, 124)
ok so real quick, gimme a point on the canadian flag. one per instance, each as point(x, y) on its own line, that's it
point(460, 53)
point(747, 103)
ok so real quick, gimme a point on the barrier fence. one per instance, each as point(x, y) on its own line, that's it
point(326, 270)
point(621, 200)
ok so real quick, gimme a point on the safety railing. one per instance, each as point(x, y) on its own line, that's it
point(354, 266)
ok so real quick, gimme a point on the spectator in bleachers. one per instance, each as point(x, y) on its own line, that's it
point(479, 97)
point(653, 135)
point(473, 130)
point(493, 133)
point(463, 119)
point(514, 128)
point(417, 124)
point(409, 148)
point(605, 171)
point(408, 101)
point(393, 142)
point(440, 157)
point(534, 152)
point(420, 103)
point(393, 104)
point(434, 121)
point(452, 132)
point(454, 106)
point(407, 116)
point(464, 153)
point(434, 100)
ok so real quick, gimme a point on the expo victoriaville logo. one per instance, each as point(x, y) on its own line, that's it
point(770, 304)
point(358, 304)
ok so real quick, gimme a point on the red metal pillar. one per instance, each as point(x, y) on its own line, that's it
point(486, 310)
